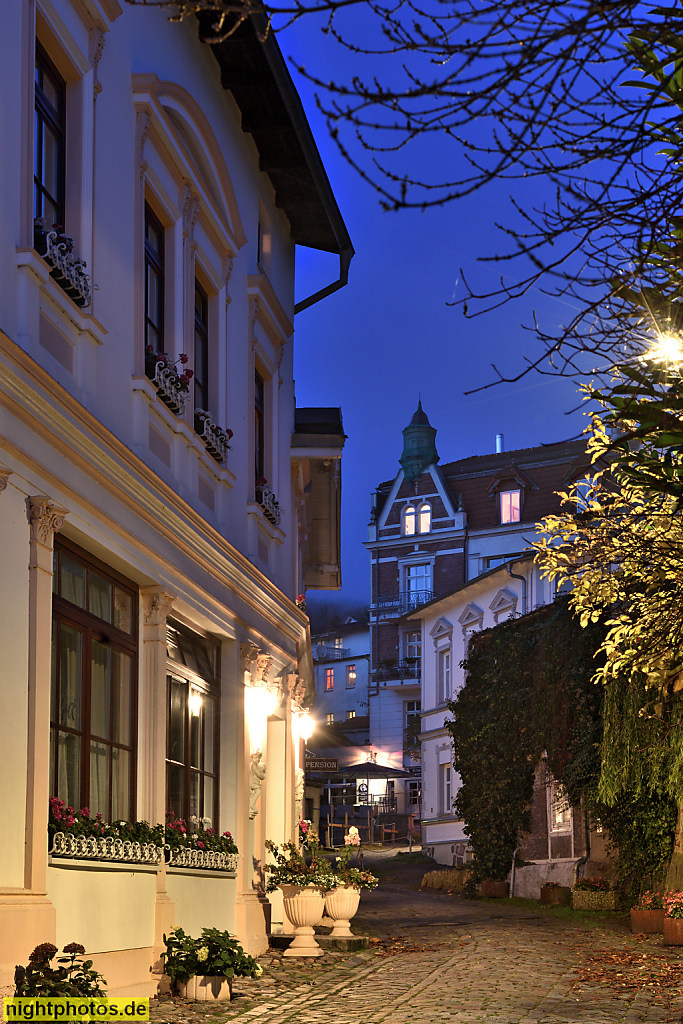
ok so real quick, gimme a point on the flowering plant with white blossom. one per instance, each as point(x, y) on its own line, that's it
point(213, 953)
point(352, 837)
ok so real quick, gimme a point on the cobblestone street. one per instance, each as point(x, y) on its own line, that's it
point(436, 957)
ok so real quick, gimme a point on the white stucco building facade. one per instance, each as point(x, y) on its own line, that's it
point(156, 529)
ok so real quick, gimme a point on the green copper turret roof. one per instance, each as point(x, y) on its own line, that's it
point(419, 448)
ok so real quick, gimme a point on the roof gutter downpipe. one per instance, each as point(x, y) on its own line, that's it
point(292, 102)
point(515, 576)
point(345, 258)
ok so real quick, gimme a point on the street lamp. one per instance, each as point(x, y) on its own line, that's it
point(306, 726)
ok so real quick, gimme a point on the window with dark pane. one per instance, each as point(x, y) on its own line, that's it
point(49, 142)
point(201, 348)
point(259, 425)
point(191, 725)
point(154, 282)
point(93, 692)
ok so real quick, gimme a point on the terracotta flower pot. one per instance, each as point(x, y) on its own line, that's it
point(495, 890)
point(206, 988)
point(304, 908)
point(555, 895)
point(647, 922)
point(673, 931)
point(340, 905)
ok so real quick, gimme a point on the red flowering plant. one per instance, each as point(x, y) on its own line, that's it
point(649, 901)
point(196, 834)
point(66, 819)
point(592, 885)
point(180, 379)
point(673, 904)
point(553, 885)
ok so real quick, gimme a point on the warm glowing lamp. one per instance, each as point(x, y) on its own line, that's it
point(306, 726)
point(195, 703)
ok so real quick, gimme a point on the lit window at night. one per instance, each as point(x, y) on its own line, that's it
point(409, 523)
point(329, 719)
point(350, 676)
point(425, 518)
point(329, 679)
point(350, 714)
point(510, 506)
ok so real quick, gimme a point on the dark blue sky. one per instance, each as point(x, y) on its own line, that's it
point(389, 336)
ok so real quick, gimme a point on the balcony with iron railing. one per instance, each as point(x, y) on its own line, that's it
point(322, 653)
point(396, 672)
point(405, 601)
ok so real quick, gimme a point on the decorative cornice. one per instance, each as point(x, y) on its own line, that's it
point(72, 432)
point(45, 519)
point(5, 474)
point(156, 603)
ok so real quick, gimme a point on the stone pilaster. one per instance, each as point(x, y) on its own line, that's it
point(156, 606)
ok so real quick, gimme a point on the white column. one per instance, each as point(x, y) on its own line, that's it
point(156, 605)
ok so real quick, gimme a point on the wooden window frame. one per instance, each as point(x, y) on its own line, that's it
point(259, 426)
point(201, 341)
point(95, 629)
point(156, 262)
point(45, 113)
point(177, 672)
point(329, 675)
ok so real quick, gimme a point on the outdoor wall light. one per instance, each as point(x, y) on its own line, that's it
point(195, 703)
point(306, 726)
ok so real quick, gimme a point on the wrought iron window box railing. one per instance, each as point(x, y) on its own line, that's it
point(107, 849)
point(65, 268)
point(269, 503)
point(169, 388)
point(403, 602)
point(207, 860)
point(214, 437)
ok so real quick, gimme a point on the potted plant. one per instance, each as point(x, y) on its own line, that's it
point(648, 915)
point(553, 894)
point(202, 969)
point(303, 884)
point(673, 918)
point(495, 888)
point(594, 894)
point(341, 902)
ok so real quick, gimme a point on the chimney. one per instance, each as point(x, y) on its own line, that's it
point(500, 444)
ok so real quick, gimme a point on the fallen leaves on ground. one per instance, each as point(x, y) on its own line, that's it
point(397, 944)
point(625, 970)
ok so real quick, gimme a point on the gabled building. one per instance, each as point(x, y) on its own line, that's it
point(157, 527)
point(435, 528)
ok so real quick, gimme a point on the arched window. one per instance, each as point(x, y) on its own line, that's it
point(425, 518)
point(409, 523)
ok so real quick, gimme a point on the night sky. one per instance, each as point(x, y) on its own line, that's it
point(389, 337)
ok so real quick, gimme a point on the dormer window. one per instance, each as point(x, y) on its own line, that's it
point(510, 506)
point(409, 521)
point(425, 518)
point(417, 520)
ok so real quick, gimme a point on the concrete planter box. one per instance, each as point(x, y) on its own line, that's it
point(647, 922)
point(594, 900)
point(555, 895)
point(206, 988)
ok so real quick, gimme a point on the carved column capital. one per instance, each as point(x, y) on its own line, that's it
point(142, 125)
point(248, 655)
point(157, 603)
point(45, 519)
point(5, 474)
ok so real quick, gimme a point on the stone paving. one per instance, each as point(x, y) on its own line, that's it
point(439, 958)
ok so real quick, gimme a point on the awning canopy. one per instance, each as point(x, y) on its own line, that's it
point(370, 770)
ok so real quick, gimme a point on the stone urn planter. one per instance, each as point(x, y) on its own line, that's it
point(555, 895)
point(304, 907)
point(647, 922)
point(673, 931)
point(495, 890)
point(340, 905)
point(206, 988)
